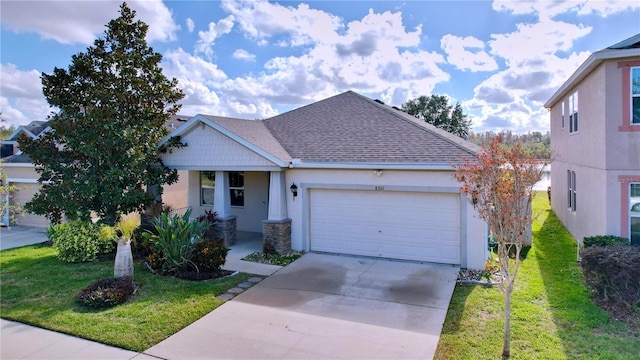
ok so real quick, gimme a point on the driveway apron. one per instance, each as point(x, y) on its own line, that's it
point(326, 307)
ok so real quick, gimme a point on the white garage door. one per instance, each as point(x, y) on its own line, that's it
point(388, 224)
point(21, 196)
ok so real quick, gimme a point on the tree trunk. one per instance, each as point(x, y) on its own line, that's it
point(506, 347)
point(123, 266)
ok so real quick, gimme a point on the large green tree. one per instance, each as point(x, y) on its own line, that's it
point(102, 152)
point(435, 110)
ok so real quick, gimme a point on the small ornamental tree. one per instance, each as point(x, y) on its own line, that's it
point(102, 154)
point(499, 184)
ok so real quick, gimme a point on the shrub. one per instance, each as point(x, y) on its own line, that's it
point(80, 241)
point(106, 293)
point(210, 217)
point(209, 255)
point(613, 272)
point(173, 239)
point(604, 240)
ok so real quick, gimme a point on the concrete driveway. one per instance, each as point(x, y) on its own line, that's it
point(18, 236)
point(329, 307)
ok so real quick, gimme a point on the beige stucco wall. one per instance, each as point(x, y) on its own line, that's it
point(433, 181)
point(26, 171)
point(599, 152)
point(176, 195)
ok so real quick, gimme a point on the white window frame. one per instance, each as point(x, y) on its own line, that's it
point(571, 191)
point(233, 189)
point(633, 96)
point(573, 113)
point(562, 105)
point(632, 215)
point(202, 202)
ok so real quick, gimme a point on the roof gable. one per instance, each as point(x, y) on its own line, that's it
point(211, 146)
point(351, 128)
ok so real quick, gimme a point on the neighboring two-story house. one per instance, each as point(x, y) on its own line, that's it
point(595, 141)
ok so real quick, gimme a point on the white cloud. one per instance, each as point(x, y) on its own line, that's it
point(467, 53)
point(21, 99)
point(72, 22)
point(304, 25)
point(550, 9)
point(190, 24)
point(242, 54)
point(207, 38)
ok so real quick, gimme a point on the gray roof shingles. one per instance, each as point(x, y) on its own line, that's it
point(351, 128)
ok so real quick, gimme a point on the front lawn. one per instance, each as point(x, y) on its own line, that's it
point(553, 316)
point(37, 288)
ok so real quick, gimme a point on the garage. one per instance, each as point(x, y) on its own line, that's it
point(23, 194)
point(418, 226)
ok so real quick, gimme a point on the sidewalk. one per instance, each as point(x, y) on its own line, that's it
point(21, 341)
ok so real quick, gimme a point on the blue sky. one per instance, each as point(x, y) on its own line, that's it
point(254, 59)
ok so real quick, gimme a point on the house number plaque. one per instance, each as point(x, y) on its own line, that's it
point(379, 188)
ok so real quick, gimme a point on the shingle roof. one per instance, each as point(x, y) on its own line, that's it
point(17, 158)
point(351, 128)
point(255, 132)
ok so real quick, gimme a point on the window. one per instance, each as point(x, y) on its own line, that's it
point(236, 188)
point(571, 193)
point(635, 95)
point(563, 114)
point(208, 184)
point(573, 112)
point(634, 213)
point(207, 187)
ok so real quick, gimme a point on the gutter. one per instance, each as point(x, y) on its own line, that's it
point(297, 164)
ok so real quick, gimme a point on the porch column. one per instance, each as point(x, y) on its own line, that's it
point(225, 227)
point(276, 230)
point(277, 196)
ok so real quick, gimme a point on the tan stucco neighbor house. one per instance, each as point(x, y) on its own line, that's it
point(595, 139)
point(346, 175)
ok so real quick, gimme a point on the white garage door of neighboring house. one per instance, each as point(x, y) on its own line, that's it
point(388, 224)
point(21, 196)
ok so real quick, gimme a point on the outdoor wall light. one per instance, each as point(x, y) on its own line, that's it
point(378, 172)
point(294, 189)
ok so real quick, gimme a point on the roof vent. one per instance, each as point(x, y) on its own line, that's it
point(379, 101)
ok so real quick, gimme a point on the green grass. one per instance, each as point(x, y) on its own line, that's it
point(39, 289)
point(552, 317)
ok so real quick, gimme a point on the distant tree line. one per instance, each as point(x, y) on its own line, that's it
point(534, 143)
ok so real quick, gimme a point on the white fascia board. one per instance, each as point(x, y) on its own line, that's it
point(22, 180)
point(372, 166)
point(591, 63)
point(18, 165)
point(201, 119)
point(21, 129)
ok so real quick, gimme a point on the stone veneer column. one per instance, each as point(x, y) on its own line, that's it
point(276, 235)
point(276, 231)
point(225, 227)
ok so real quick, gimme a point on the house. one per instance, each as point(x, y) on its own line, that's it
point(345, 175)
point(595, 139)
point(20, 172)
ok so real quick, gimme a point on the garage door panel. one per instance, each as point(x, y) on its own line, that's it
point(21, 196)
point(402, 225)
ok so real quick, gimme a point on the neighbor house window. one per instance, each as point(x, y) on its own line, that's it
point(571, 190)
point(207, 187)
point(562, 114)
point(634, 213)
point(573, 112)
point(635, 95)
point(236, 188)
